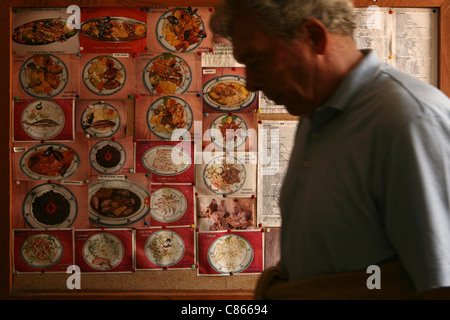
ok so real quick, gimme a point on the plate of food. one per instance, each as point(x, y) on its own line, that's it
point(42, 119)
point(164, 248)
point(43, 76)
point(117, 202)
point(167, 74)
point(166, 160)
point(100, 120)
point(180, 30)
point(41, 250)
point(227, 93)
point(168, 114)
point(114, 29)
point(103, 251)
point(168, 205)
point(224, 175)
point(107, 156)
point(49, 205)
point(48, 161)
point(230, 253)
point(228, 131)
point(104, 75)
point(42, 32)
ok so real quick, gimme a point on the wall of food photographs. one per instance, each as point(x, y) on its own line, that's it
point(136, 152)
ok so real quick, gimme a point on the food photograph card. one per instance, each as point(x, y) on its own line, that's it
point(51, 161)
point(100, 119)
point(223, 253)
point(111, 156)
point(172, 205)
point(165, 248)
point(106, 76)
point(113, 30)
point(43, 205)
point(42, 250)
point(46, 76)
point(43, 120)
point(180, 29)
point(230, 131)
point(168, 117)
point(109, 250)
point(119, 201)
point(219, 213)
point(224, 90)
point(43, 30)
point(222, 174)
point(167, 161)
point(168, 73)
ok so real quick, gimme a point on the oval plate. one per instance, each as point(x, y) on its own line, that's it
point(164, 132)
point(103, 251)
point(35, 242)
point(40, 26)
point(66, 169)
point(114, 20)
point(138, 190)
point(238, 106)
point(158, 160)
point(168, 205)
point(27, 73)
point(230, 253)
point(27, 206)
point(164, 248)
point(215, 184)
point(42, 119)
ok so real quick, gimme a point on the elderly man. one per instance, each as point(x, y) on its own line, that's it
point(368, 185)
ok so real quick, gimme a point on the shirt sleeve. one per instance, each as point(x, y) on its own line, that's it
point(417, 199)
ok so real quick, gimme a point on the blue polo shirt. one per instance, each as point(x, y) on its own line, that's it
point(369, 180)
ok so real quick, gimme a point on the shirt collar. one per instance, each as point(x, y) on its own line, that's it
point(349, 87)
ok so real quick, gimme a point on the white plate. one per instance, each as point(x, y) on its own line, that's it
point(43, 148)
point(230, 253)
point(168, 205)
point(53, 248)
point(218, 185)
point(39, 191)
point(25, 82)
point(104, 92)
point(167, 135)
point(42, 119)
point(166, 160)
point(108, 164)
point(219, 140)
point(227, 79)
point(103, 251)
point(164, 248)
point(90, 128)
point(139, 213)
point(185, 72)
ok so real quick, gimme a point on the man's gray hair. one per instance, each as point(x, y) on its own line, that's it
point(281, 18)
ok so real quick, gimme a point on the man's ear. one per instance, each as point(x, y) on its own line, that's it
point(316, 33)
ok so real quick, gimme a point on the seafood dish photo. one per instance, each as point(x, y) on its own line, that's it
point(168, 205)
point(230, 254)
point(100, 120)
point(224, 175)
point(43, 76)
point(168, 114)
point(42, 119)
point(166, 160)
point(228, 93)
point(42, 32)
point(103, 251)
point(112, 202)
point(164, 248)
point(104, 75)
point(50, 161)
point(167, 74)
point(228, 131)
point(181, 30)
point(41, 250)
point(114, 29)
